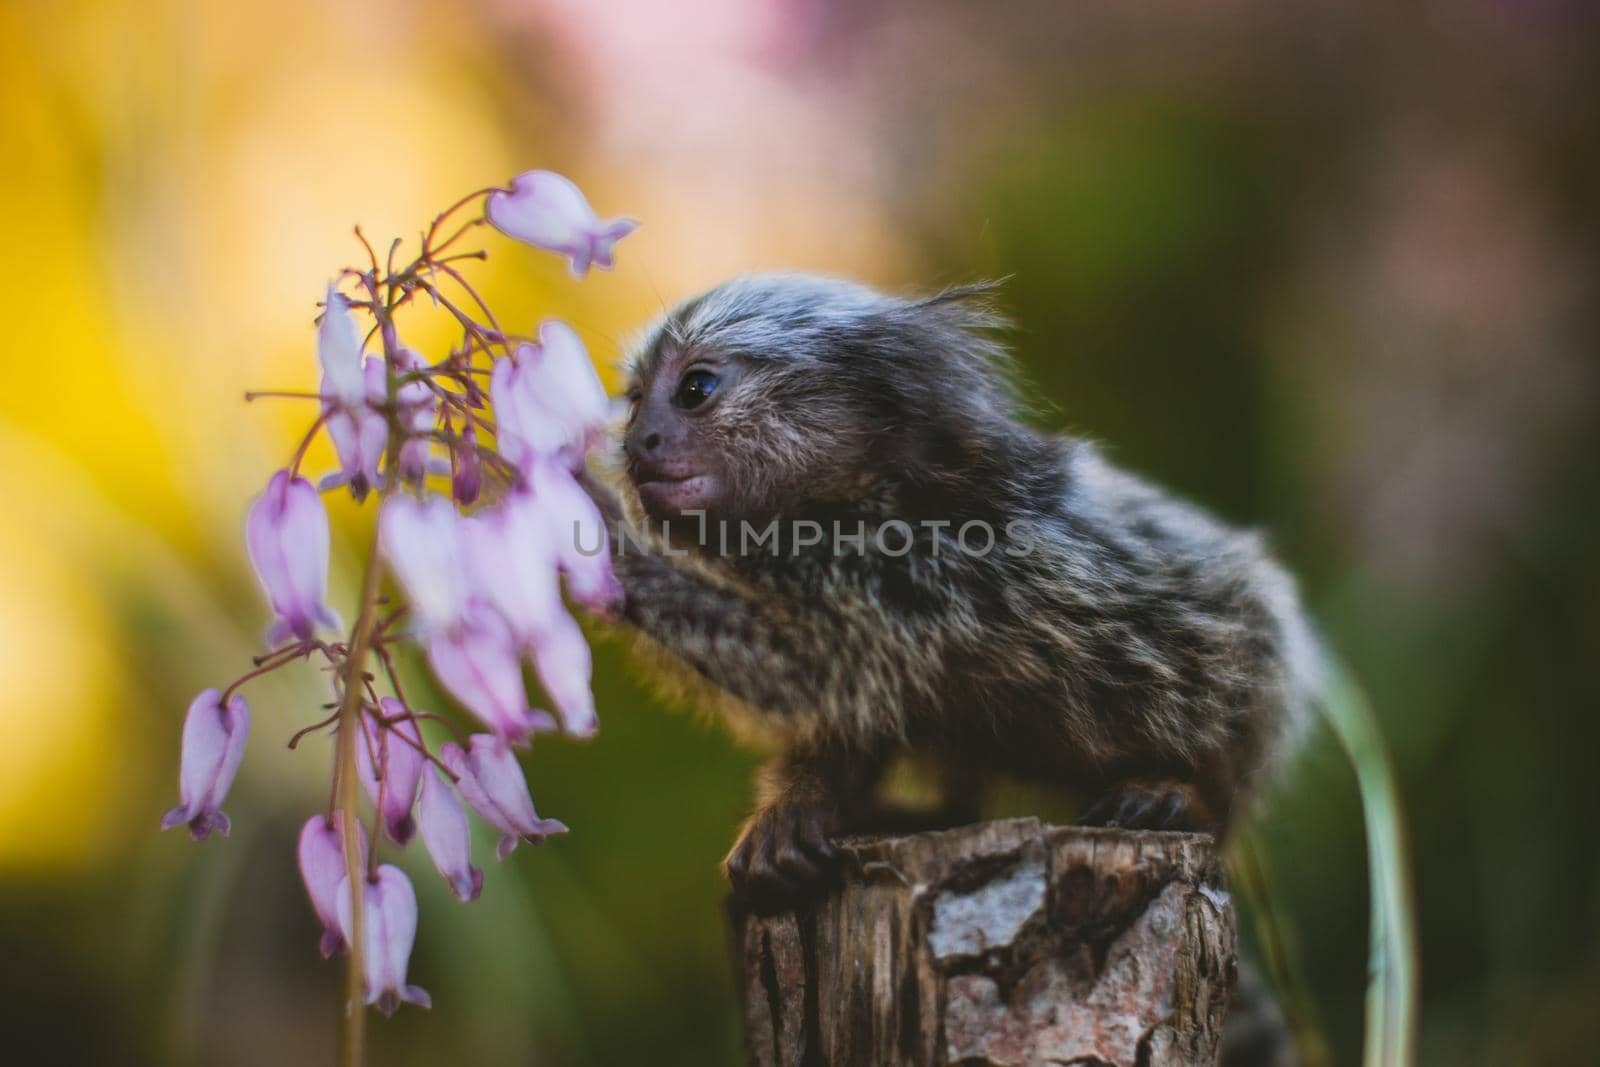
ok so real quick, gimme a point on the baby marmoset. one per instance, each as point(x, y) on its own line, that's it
point(894, 563)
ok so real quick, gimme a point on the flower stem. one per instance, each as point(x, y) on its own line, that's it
point(352, 1046)
point(353, 1042)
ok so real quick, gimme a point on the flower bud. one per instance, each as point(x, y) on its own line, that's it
point(550, 212)
point(419, 410)
point(447, 836)
point(389, 930)
point(322, 869)
point(286, 533)
point(213, 745)
point(339, 350)
point(490, 780)
point(466, 469)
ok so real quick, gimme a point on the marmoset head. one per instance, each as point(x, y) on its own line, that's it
point(775, 393)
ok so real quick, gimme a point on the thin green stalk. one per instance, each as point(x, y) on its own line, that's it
point(353, 1043)
point(1391, 1028)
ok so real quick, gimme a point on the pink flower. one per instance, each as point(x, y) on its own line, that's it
point(390, 929)
point(213, 746)
point(582, 545)
point(514, 564)
point(549, 212)
point(322, 870)
point(568, 382)
point(548, 400)
point(513, 550)
point(360, 434)
point(339, 350)
point(561, 656)
point(472, 651)
point(421, 540)
point(490, 781)
point(447, 836)
point(286, 532)
point(518, 410)
point(401, 762)
point(478, 663)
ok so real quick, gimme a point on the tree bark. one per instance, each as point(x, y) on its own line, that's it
point(1004, 943)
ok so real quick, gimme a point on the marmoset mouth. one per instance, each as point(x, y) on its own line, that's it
point(667, 497)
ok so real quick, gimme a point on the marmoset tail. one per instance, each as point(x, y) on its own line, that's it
point(863, 547)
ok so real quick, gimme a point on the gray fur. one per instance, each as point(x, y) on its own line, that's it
point(1141, 638)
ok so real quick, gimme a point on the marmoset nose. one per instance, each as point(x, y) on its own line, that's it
point(649, 440)
point(643, 446)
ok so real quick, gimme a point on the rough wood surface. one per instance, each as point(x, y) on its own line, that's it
point(1005, 943)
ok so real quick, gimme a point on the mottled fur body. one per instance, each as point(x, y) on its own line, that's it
point(1114, 640)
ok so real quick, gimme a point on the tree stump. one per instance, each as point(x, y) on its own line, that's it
point(1003, 943)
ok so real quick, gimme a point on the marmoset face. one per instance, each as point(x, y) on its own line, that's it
point(784, 393)
point(674, 449)
point(751, 399)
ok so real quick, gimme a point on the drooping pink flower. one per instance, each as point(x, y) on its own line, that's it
point(213, 745)
point(286, 533)
point(322, 869)
point(466, 468)
point(548, 399)
point(421, 541)
point(518, 412)
point(339, 350)
point(389, 930)
point(582, 544)
point(360, 433)
point(491, 781)
point(548, 211)
point(514, 556)
point(561, 656)
point(400, 761)
point(513, 560)
point(568, 381)
point(447, 836)
point(472, 651)
point(477, 661)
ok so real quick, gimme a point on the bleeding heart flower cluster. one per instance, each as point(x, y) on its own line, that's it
point(475, 459)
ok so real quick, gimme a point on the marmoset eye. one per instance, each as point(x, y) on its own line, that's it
point(696, 388)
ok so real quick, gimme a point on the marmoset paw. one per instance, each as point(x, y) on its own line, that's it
point(605, 498)
point(783, 857)
point(1151, 804)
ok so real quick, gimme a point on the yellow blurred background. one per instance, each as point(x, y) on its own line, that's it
point(1328, 268)
point(184, 178)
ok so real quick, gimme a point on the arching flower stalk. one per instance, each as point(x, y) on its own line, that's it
point(499, 424)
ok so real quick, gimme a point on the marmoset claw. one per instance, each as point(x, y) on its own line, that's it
point(783, 856)
point(1151, 804)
